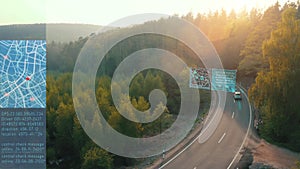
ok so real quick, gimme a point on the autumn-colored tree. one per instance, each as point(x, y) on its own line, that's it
point(276, 91)
point(251, 55)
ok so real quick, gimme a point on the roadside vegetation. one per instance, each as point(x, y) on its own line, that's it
point(275, 92)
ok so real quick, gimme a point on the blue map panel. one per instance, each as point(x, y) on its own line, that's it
point(23, 74)
point(224, 80)
point(199, 78)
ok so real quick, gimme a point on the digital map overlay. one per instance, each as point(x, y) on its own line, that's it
point(199, 78)
point(213, 79)
point(22, 74)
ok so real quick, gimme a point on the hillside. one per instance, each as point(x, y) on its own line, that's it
point(53, 32)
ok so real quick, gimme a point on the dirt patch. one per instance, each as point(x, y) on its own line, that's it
point(271, 155)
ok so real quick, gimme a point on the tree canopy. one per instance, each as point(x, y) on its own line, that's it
point(276, 91)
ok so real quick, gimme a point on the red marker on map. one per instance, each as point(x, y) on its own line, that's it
point(6, 94)
point(27, 78)
point(32, 99)
point(5, 57)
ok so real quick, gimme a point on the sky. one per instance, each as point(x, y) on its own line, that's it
point(104, 12)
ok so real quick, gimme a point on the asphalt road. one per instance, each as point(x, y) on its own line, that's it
point(220, 150)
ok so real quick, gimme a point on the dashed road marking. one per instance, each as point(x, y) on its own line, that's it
point(221, 138)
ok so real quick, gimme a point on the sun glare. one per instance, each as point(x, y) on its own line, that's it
point(102, 13)
point(237, 6)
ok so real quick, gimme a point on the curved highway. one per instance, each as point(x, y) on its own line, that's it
point(223, 146)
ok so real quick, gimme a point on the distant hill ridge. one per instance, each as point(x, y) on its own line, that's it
point(60, 32)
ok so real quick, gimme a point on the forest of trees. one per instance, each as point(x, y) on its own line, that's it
point(261, 45)
point(67, 141)
point(276, 91)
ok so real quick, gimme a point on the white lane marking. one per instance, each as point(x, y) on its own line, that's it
point(232, 115)
point(212, 104)
point(246, 133)
point(195, 167)
point(221, 138)
point(201, 133)
point(234, 100)
point(209, 129)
